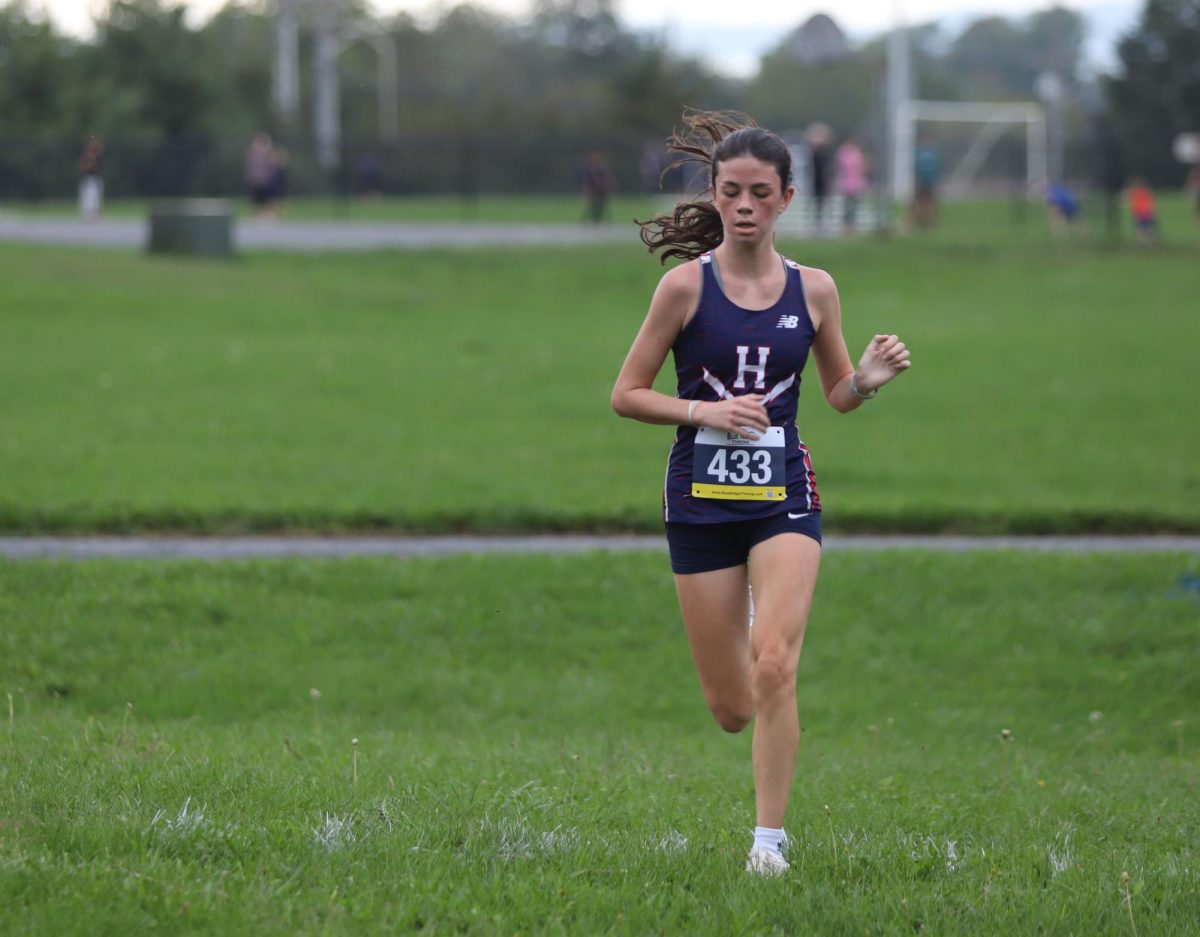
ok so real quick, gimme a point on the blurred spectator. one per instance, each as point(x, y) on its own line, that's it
point(367, 171)
point(852, 180)
point(818, 136)
point(650, 165)
point(260, 173)
point(598, 184)
point(1062, 208)
point(1192, 188)
point(91, 185)
point(1143, 211)
point(927, 172)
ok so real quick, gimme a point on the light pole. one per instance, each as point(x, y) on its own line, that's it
point(329, 40)
point(327, 114)
point(898, 92)
point(285, 77)
point(1051, 92)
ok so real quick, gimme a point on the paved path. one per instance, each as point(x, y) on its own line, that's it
point(223, 548)
point(132, 233)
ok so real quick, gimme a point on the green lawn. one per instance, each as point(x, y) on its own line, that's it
point(997, 217)
point(534, 755)
point(469, 390)
point(550, 209)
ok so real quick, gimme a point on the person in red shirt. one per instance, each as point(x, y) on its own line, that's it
point(1144, 212)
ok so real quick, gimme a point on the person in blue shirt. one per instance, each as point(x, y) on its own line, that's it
point(927, 173)
point(1062, 208)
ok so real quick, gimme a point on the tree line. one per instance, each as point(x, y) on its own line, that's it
point(489, 102)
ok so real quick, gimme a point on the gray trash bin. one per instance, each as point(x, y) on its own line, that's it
point(200, 227)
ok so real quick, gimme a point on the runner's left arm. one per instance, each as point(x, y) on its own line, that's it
point(885, 356)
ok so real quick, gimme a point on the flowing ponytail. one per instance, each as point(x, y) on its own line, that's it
point(709, 138)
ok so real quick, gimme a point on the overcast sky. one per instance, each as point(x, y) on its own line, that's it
point(732, 38)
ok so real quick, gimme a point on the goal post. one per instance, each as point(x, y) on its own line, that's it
point(993, 120)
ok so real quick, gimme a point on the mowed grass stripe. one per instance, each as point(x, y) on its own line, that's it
point(446, 391)
point(534, 756)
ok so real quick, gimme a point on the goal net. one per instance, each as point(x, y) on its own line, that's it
point(986, 148)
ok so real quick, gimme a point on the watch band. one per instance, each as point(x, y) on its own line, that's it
point(858, 393)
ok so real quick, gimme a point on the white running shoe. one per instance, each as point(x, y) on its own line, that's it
point(766, 862)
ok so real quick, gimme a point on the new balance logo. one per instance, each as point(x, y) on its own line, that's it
point(788, 322)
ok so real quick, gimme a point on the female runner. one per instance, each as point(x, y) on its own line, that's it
point(743, 516)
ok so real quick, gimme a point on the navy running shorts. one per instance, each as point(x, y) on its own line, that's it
point(701, 548)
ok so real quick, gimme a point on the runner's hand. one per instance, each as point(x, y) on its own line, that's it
point(886, 356)
point(745, 415)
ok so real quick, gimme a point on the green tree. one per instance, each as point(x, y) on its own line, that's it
point(512, 103)
point(588, 28)
point(39, 86)
point(148, 59)
point(38, 75)
point(238, 44)
point(991, 60)
point(1055, 38)
point(789, 95)
point(999, 59)
point(1156, 93)
point(650, 87)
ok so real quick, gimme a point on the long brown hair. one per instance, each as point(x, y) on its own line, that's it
point(709, 138)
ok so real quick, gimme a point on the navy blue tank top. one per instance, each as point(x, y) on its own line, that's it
point(726, 351)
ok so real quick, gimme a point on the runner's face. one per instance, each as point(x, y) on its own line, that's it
point(749, 195)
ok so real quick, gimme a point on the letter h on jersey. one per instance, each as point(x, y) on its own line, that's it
point(759, 370)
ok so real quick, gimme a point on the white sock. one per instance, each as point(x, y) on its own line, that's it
point(767, 838)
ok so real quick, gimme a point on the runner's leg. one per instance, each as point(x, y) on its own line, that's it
point(715, 611)
point(783, 573)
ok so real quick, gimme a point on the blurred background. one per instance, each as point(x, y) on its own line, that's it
point(512, 97)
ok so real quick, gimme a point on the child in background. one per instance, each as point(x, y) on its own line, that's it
point(91, 185)
point(1062, 208)
point(852, 180)
point(1142, 208)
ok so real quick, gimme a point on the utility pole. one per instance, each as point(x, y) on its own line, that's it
point(1050, 89)
point(899, 91)
point(285, 77)
point(327, 116)
point(329, 39)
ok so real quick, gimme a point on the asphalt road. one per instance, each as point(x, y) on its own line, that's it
point(234, 548)
point(320, 236)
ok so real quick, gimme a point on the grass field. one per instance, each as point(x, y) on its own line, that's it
point(534, 756)
point(532, 752)
point(1175, 210)
point(469, 390)
point(551, 209)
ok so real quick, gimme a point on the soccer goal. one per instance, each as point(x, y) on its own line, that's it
point(985, 123)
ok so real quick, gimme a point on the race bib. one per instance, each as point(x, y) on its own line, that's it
point(731, 467)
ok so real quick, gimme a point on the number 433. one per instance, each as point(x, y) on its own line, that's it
point(740, 466)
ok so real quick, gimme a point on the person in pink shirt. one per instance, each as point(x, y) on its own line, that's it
point(851, 179)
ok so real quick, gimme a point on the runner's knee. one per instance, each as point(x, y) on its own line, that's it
point(774, 672)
